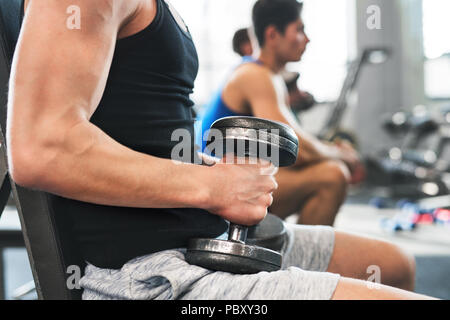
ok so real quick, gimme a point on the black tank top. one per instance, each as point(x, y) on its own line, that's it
point(146, 98)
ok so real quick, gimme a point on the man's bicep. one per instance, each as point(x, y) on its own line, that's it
point(60, 67)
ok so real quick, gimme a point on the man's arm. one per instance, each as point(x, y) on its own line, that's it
point(57, 81)
point(58, 78)
point(266, 98)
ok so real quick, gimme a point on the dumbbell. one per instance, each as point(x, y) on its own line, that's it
point(255, 137)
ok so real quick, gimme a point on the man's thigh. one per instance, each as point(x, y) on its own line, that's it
point(166, 275)
point(290, 284)
point(319, 248)
point(359, 257)
point(296, 185)
point(308, 247)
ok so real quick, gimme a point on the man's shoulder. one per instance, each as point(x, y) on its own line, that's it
point(118, 5)
point(251, 67)
point(135, 15)
point(250, 73)
point(250, 80)
point(122, 9)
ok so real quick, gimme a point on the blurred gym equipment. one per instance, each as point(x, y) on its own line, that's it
point(332, 129)
point(419, 167)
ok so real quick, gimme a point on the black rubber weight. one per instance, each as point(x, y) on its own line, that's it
point(229, 263)
point(257, 124)
point(284, 143)
point(229, 256)
point(269, 233)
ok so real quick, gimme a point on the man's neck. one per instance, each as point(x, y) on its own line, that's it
point(270, 61)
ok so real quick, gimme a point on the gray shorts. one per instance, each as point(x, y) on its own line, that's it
point(166, 275)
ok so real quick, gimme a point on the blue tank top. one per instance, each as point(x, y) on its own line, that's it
point(217, 109)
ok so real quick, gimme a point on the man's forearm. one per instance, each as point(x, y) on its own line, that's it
point(88, 165)
point(312, 150)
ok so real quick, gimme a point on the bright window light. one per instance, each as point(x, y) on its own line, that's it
point(436, 25)
point(324, 64)
point(213, 22)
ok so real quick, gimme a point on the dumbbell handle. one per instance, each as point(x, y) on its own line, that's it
point(237, 233)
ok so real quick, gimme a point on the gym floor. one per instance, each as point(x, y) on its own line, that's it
point(429, 243)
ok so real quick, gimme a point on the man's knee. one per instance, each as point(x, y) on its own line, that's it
point(335, 175)
point(397, 266)
point(364, 258)
point(403, 275)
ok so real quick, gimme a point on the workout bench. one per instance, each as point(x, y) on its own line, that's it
point(49, 250)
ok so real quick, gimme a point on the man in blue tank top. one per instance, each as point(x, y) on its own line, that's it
point(298, 100)
point(315, 187)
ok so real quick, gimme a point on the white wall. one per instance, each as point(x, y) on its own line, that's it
point(213, 23)
point(338, 31)
point(399, 83)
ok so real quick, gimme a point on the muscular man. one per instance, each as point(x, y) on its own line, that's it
point(90, 117)
point(315, 187)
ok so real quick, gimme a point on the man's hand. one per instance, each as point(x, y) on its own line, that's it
point(301, 101)
point(241, 193)
point(352, 159)
point(347, 154)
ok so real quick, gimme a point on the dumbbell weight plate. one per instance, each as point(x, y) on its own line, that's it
point(232, 256)
point(256, 124)
point(285, 142)
point(269, 233)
